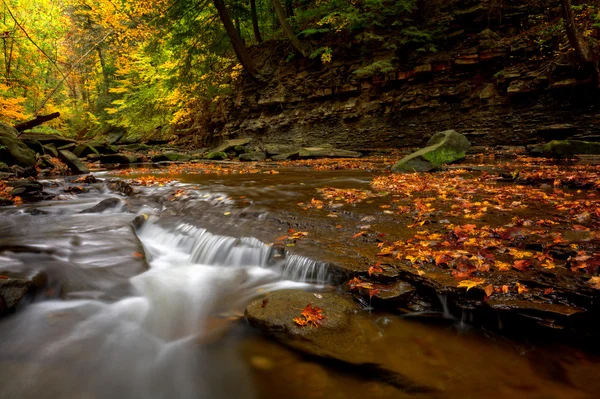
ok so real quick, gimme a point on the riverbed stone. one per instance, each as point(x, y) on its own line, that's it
point(286, 156)
point(326, 152)
point(113, 158)
point(343, 336)
point(216, 155)
point(75, 165)
point(171, 157)
point(443, 147)
point(277, 149)
point(103, 205)
point(12, 150)
point(231, 144)
point(253, 157)
point(46, 138)
point(83, 150)
point(566, 148)
point(12, 293)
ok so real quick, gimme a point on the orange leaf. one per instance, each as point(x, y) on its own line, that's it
point(375, 269)
point(489, 289)
point(360, 233)
point(521, 265)
point(137, 255)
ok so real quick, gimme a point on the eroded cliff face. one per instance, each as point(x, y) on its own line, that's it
point(503, 75)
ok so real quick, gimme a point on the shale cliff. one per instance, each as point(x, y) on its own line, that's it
point(502, 73)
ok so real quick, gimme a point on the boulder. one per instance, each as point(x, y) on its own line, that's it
point(103, 205)
point(75, 165)
point(171, 157)
point(27, 189)
point(35, 146)
point(216, 155)
point(103, 148)
point(325, 152)
point(50, 149)
point(120, 186)
point(443, 147)
point(13, 292)
point(12, 150)
point(83, 150)
point(566, 148)
point(69, 147)
point(231, 144)
point(253, 157)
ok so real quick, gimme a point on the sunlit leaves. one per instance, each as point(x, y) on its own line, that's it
point(311, 315)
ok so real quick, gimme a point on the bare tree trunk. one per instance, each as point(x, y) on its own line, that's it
point(255, 21)
point(581, 47)
point(238, 46)
point(287, 29)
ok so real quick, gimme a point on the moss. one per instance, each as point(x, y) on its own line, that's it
point(217, 155)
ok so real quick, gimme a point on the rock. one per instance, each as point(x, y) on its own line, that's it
point(324, 152)
point(28, 171)
point(278, 149)
point(342, 336)
point(75, 165)
point(444, 147)
point(103, 205)
point(68, 147)
point(230, 144)
point(253, 156)
point(12, 293)
point(171, 157)
point(121, 187)
point(12, 150)
point(35, 146)
point(46, 138)
point(27, 189)
point(113, 158)
point(216, 155)
point(286, 156)
point(104, 148)
point(393, 295)
point(6, 202)
point(83, 150)
point(50, 149)
point(6, 175)
point(3, 167)
point(565, 148)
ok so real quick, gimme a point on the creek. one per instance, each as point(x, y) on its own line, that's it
point(157, 311)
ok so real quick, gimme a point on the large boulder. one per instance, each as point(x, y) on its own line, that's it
point(566, 148)
point(47, 138)
point(171, 157)
point(443, 147)
point(75, 165)
point(12, 150)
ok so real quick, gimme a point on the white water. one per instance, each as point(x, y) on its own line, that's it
point(150, 345)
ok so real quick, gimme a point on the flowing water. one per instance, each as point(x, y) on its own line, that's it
point(157, 312)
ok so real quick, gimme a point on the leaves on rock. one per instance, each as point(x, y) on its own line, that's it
point(311, 315)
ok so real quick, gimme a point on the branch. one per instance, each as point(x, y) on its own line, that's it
point(38, 120)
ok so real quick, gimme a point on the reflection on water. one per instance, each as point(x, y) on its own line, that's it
point(175, 330)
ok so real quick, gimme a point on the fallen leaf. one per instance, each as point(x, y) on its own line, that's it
point(489, 289)
point(468, 284)
point(311, 314)
point(521, 288)
point(521, 265)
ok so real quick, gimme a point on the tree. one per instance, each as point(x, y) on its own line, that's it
point(583, 50)
point(254, 17)
point(236, 41)
point(287, 29)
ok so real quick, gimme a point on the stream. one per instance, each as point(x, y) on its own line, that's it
point(155, 308)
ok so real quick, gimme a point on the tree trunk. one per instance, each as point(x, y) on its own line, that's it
point(581, 47)
point(238, 46)
point(255, 21)
point(38, 120)
point(238, 28)
point(287, 29)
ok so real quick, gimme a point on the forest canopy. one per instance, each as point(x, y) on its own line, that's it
point(146, 65)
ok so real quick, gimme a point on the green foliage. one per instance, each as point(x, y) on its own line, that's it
point(376, 68)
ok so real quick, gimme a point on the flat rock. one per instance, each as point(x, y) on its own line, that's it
point(253, 157)
point(76, 166)
point(46, 139)
point(230, 144)
point(113, 158)
point(341, 337)
point(171, 157)
point(325, 152)
point(565, 148)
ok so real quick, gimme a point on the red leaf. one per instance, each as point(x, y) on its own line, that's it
point(521, 265)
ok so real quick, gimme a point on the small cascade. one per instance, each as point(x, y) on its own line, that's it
point(299, 268)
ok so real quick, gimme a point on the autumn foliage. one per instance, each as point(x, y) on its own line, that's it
point(311, 315)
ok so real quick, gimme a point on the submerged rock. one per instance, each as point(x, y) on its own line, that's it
point(12, 150)
point(12, 293)
point(443, 147)
point(103, 205)
point(343, 336)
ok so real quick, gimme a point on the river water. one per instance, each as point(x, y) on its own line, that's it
point(157, 311)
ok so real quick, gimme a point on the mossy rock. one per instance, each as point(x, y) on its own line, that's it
point(12, 150)
point(75, 165)
point(214, 155)
point(83, 150)
point(232, 144)
point(253, 157)
point(567, 148)
point(443, 147)
point(278, 149)
point(171, 157)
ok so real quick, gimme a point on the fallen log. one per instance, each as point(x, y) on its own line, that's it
point(38, 120)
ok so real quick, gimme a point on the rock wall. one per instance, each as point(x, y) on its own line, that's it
point(499, 78)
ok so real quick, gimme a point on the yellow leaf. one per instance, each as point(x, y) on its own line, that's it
point(468, 284)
